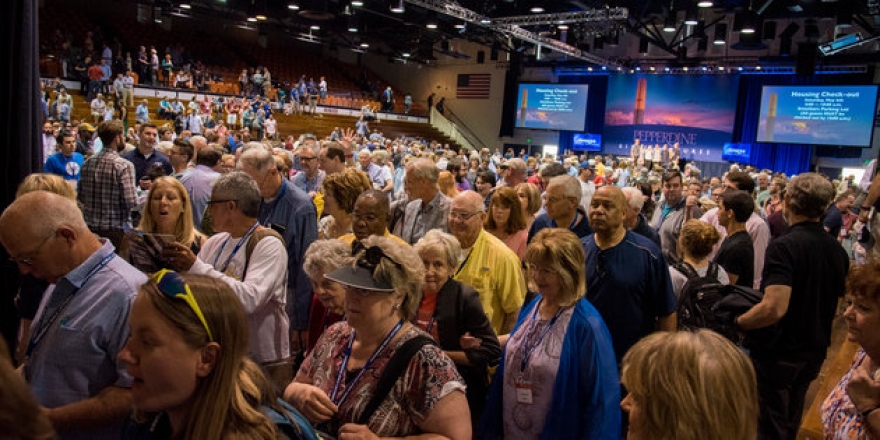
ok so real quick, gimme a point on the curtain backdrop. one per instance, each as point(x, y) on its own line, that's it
point(21, 113)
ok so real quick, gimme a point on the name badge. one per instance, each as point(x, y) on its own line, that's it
point(524, 393)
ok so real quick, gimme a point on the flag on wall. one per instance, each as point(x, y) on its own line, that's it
point(473, 86)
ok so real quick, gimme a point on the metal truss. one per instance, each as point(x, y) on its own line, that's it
point(455, 10)
point(595, 15)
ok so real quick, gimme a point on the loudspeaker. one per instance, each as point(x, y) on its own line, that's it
point(806, 59)
point(481, 57)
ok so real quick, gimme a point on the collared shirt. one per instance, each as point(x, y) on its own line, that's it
point(417, 221)
point(107, 190)
point(262, 292)
point(375, 174)
point(105, 72)
point(49, 145)
point(309, 185)
point(142, 163)
point(76, 357)
point(198, 185)
point(494, 271)
point(142, 112)
point(292, 209)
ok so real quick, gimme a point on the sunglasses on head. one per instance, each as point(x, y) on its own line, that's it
point(172, 285)
point(372, 257)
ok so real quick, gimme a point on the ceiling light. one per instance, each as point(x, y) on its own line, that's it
point(431, 20)
point(357, 3)
point(720, 34)
point(562, 27)
point(397, 7)
point(690, 16)
point(705, 4)
point(365, 45)
point(669, 23)
point(536, 9)
point(750, 22)
point(405, 55)
point(315, 27)
point(485, 21)
point(185, 6)
point(460, 26)
point(293, 7)
point(352, 23)
point(261, 17)
point(252, 19)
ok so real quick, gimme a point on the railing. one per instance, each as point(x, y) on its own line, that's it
point(451, 126)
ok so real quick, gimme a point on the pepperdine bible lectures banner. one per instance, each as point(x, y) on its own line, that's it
point(696, 111)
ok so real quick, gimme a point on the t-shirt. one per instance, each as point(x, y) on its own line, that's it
point(737, 256)
point(679, 279)
point(66, 167)
point(833, 221)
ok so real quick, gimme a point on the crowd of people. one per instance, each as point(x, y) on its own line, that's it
point(354, 285)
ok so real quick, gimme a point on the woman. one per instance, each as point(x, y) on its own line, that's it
point(446, 184)
point(850, 411)
point(774, 203)
point(695, 243)
point(530, 201)
point(452, 314)
point(227, 163)
point(689, 386)
point(505, 220)
point(167, 218)
point(382, 291)
point(188, 355)
point(321, 258)
point(341, 190)
point(558, 376)
point(473, 169)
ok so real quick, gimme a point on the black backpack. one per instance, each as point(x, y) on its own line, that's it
point(698, 297)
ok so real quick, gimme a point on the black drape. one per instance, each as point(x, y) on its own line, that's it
point(21, 113)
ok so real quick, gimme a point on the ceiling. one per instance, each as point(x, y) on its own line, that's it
point(399, 34)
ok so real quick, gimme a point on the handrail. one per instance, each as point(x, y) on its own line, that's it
point(455, 129)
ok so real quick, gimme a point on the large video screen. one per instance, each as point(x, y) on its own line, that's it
point(552, 106)
point(818, 115)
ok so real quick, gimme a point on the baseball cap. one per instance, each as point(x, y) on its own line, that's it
point(86, 126)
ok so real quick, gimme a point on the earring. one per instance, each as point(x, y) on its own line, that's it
point(397, 307)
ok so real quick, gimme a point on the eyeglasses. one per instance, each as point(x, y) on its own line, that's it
point(173, 286)
point(212, 202)
point(462, 216)
point(306, 159)
point(548, 199)
point(29, 261)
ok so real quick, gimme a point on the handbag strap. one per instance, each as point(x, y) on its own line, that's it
point(393, 370)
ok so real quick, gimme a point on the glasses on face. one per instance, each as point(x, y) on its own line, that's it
point(172, 285)
point(462, 216)
point(29, 261)
point(306, 159)
point(369, 218)
point(548, 199)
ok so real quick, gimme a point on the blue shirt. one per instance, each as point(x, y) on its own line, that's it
point(142, 164)
point(198, 185)
point(76, 359)
point(66, 167)
point(629, 285)
point(582, 228)
point(292, 209)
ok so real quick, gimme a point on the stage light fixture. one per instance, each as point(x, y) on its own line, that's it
point(185, 5)
point(720, 34)
point(669, 23)
point(293, 7)
point(705, 4)
point(536, 10)
point(397, 7)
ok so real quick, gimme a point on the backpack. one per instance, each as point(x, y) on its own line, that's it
point(697, 298)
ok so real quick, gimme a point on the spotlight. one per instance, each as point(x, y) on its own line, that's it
point(252, 19)
point(431, 20)
point(185, 5)
point(562, 27)
point(357, 3)
point(705, 3)
point(261, 17)
point(690, 16)
point(293, 7)
point(405, 54)
point(669, 23)
point(751, 21)
point(315, 27)
point(397, 7)
point(365, 45)
point(536, 10)
point(720, 34)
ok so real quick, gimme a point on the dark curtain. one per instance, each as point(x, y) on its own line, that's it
point(21, 113)
point(595, 117)
point(508, 105)
point(787, 158)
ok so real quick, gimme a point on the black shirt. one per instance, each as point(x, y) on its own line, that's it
point(737, 256)
point(814, 265)
point(833, 221)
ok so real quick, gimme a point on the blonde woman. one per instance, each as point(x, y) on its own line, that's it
point(689, 386)
point(530, 201)
point(446, 184)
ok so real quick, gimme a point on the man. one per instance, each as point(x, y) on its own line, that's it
point(107, 186)
point(164, 109)
point(369, 217)
point(198, 182)
point(259, 278)
point(128, 89)
point(373, 171)
point(673, 212)
point(166, 133)
point(94, 75)
point(145, 156)
point(627, 277)
point(588, 188)
point(106, 74)
point(388, 100)
point(633, 219)
point(50, 140)
point(142, 113)
point(763, 188)
point(311, 178)
point(804, 276)
point(181, 154)
point(97, 107)
point(67, 163)
point(428, 208)
point(288, 210)
point(757, 228)
point(515, 174)
point(117, 88)
point(562, 204)
point(84, 141)
point(833, 221)
point(736, 254)
point(488, 264)
point(484, 184)
point(81, 326)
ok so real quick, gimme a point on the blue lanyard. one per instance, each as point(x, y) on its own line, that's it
point(234, 250)
point(46, 323)
point(334, 394)
point(529, 345)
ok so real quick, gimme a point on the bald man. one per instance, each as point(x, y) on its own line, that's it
point(487, 263)
point(627, 277)
point(71, 363)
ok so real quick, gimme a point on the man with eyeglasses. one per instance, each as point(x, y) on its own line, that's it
point(487, 263)
point(181, 154)
point(757, 228)
point(81, 325)
point(562, 208)
point(248, 257)
point(198, 182)
point(428, 208)
point(627, 276)
point(311, 178)
point(369, 217)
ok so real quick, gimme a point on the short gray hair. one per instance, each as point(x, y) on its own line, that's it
point(571, 186)
point(634, 197)
point(424, 169)
point(438, 240)
point(809, 195)
point(240, 187)
point(256, 155)
point(325, 256)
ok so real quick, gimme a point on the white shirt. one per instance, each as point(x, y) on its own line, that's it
point(263, 293)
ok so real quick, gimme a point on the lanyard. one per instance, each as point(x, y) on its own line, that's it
point(468, 257)
point(271, 207)
point(234, 250)
point(334, 395)
point(46, 323)
point(529, 345)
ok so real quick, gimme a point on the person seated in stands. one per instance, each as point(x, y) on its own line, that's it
point(164, 109)
point(98, 106)
point(182, 80)
point(177, 109)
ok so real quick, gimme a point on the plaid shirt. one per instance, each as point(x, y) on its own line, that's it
point(107, 190)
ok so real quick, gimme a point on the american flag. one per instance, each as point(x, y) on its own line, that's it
point(473, 86)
